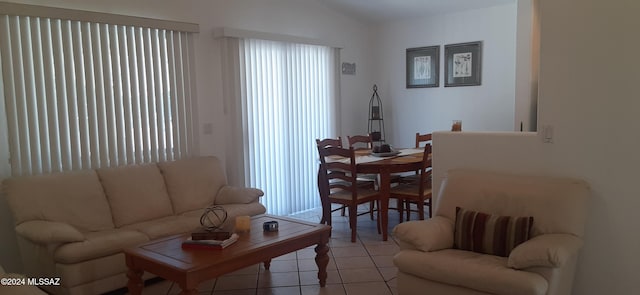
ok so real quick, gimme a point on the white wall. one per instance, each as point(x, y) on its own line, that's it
point(527, 65)
point(305, 18)
point(488, 107)
point(589, 94)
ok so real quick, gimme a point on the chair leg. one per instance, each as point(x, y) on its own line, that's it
point(400, 206)
point(371, 208)
point(408, 208)
point(353, 219)
point(420, 205)
point(378, 218)
point(342, 213)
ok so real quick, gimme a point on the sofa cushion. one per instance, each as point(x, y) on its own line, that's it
point(238, 195)
point(482, 272)
point(166, 226)
point(76, 198)
point(136, 193)
point(489, 234)
point(193, 183)
point(98, 244)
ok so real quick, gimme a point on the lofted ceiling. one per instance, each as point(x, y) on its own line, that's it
point(392, 10)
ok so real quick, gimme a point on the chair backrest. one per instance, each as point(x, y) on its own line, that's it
point(425, 170)
point(558, 205)
point(360, 141)
point(322, 144)
point(327, 142)
point(422, 138)
point(338, 169)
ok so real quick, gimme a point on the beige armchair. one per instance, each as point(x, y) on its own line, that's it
point(428, 261)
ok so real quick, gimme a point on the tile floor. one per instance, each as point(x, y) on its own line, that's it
point(364, 267)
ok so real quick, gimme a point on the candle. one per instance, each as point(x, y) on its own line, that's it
point(243, 223)
point(456, 126)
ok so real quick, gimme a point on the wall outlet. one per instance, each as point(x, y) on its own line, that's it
point(547, 133)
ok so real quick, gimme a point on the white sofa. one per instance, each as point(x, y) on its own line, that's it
point(545, 264)
point(74, 225)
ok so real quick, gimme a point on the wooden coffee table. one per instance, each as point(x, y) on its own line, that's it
point(165, 257)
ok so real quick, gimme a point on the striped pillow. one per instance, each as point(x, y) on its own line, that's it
point(490, 234)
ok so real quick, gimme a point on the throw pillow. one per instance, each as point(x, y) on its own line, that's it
point(489, 234)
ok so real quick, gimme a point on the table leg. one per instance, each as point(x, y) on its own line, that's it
point(267, 264)
point(385, 187)
point(322, 259)
point(188, 291)
point(326, 206)
point(135, 283)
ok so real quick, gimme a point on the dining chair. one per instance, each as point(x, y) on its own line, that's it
point(364, 142)
point(420, 140)
point(418, 192)
point(327, 142)
point(324, 143)
point(423, 138)
point(360, 141)
point(338, 179)
point(337, 142)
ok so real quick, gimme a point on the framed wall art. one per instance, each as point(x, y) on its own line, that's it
point(463, 64)
point(423, 67)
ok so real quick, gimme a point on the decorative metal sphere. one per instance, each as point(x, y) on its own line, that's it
point(213, 218)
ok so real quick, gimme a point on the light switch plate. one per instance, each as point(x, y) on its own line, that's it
point(547, 133)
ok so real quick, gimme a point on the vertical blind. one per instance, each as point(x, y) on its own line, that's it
point(83, 95)
point(288, 101)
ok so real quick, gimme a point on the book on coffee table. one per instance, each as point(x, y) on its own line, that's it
point(209, 244)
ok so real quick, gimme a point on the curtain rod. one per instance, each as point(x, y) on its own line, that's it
point(238, 33)
point(98, 17)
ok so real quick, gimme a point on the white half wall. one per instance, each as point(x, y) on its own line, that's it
point(488, 107)
point(519, 152)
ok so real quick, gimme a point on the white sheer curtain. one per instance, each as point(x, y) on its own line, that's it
point(289, 94)
point(82, 95)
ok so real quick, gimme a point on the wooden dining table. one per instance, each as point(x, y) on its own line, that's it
point(407, 160)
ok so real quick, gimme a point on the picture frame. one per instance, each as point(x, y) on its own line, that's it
point(463, 64)
point(423, 67)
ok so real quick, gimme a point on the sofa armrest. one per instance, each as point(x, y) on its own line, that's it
point(548, 250)
point(425, 235)
point(46, 232)
point(237, 195)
